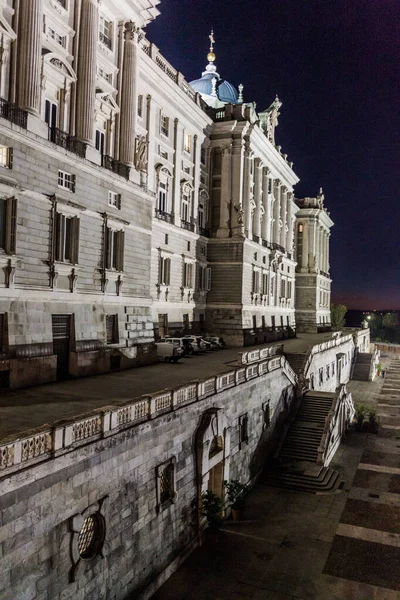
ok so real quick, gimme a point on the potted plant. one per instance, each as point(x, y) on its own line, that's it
point(379, 369)
point(212, 509)
point(360, 414)
point(236, 493)
point(373, 423)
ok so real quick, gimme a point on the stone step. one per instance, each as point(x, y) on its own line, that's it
point(327, 481)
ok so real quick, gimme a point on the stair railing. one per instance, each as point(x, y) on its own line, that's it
point(337, 422)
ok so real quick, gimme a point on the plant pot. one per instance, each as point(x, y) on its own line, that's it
point(237, 514)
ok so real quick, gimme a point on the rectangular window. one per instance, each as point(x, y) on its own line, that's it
point(66, 238)
point(104, 75)
point(50, 113)
point(321, 376)
point(162, 197)
point(59, 39)
point(112, 329)
point(6, 154)
point(185, 208)
point(265, 284)
point(187, 142)
point(66, 181)
point(8, 225)
point(187, 275)
point(100, 141)
point(327, 371)
point(283, 288)
point(256, 282)
point(243, 430)
point(204, 279)
point(114, 249)
point(164, 125)
point(165, 474)
point(105, 32)
point(333, 368)
point(164, 271)
point(114, 200)
point(163, 153)
point(289, 289)
point(140, 106)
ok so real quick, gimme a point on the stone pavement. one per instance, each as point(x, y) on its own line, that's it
point(295, 546)
point(22, 410)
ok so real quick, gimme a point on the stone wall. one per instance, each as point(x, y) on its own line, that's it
point(105, 465)
point(329, 364)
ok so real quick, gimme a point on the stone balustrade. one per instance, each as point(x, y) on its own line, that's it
point(256, 355)
point(64, 437)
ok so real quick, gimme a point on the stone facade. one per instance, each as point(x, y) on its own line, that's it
point(112, 465)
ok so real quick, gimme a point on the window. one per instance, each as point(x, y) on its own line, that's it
point(203, 156)
point(321, 376)
point(91, 536)
point(289, 289)
point(255, 288)
point(243, 430)
point(255, 256)
point(164, 271)
point(114, 200)
point(8, 225)
point(100, 140)
point(112, 329)
point(105, 32)
point(162, 197)
point(104, 75)
point(264, 290)
point(283, 288)
point(202, 250)
point(205, 279)
point(114, 249)
point(185, 207)
point(188, 246)
point(66, 181)
point(333, 368)
point(163, 153)
point(300, 229)
point(202, 216)
point(187, 142)
point(263, 324)
point(328, 374)
point(165, 484)
point(66, 238)
point(164, 126)
point(6, 157)
point(166, 239)
point(187, 275)
point(50, 113)
point(140, 106)
point(59, 39)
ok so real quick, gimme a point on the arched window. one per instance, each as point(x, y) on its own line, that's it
point(163, 203)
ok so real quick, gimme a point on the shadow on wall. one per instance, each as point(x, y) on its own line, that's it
point(272, 431)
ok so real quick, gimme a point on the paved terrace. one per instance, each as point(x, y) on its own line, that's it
point(298, 546)
point(24, 410)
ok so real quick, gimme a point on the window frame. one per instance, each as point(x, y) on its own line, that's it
point(168, 466)
point(7, 153)
point(164, 270)
point(66, 178)
point(114, 199)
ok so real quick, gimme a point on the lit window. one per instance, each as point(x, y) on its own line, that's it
point(5, 157)
point(187, 142)
point(66, 181)
point(300, 228)
point(114, 200)
point(164, 126)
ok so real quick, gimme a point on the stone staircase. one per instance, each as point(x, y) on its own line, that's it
point(296, 466)
point(296, 361)
point(362, 366)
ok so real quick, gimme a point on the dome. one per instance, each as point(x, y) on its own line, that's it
point(226, 92)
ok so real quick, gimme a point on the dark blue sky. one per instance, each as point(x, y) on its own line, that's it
point(335, 64)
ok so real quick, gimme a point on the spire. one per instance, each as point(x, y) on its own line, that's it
point(240, 88)
point(211, 68)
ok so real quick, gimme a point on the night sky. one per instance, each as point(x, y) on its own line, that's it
point(335, 65)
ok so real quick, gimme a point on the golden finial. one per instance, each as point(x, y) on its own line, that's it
point(211, 56)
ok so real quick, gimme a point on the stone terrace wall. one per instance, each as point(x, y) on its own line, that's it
point(108, 462)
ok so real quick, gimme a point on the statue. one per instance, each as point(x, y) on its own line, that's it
point(141, 153)
point(239, 214)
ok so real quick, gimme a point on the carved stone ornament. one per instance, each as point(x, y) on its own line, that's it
point(131, 31)
point(141, 153)
point(239, 214)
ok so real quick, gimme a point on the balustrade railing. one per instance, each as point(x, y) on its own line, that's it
point(67, 141)
point(62, 438)
point(256, 238)
point(187, 225)
point(164, 216)
point(13, 113)
point(110, 163)
point(204, 232)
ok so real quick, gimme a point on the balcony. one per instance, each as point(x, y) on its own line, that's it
point(67, 141)
point(164, 216)
point(256, 238)
point(13, 113)
point(278, 247)
point(105, 40)
point(267, 244)
point(204, 232)
point(115, 166)
point(187, 225)
point(324, 274)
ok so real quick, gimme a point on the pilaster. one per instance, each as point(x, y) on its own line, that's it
point(258, 189)
point(283, 216)
point(226, 191)
point(265, 228)
point(277, 210)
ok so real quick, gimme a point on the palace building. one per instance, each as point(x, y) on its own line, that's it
point(134, 204)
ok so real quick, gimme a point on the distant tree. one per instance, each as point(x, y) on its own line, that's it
point(338, 312)
point(390, 320)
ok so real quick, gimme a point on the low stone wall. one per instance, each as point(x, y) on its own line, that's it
point(389, 349)
point(110, 464)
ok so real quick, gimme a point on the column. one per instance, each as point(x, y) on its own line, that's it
point(237, 209)
point(290, 222)
point(327, 251)
point(267, 206)
point(283, 216)
point(226, 191)
point(321, 249)
point(304, 257)
point(29, 56)
point(277, 210)
point(86, 84)
point(312, 248)
point(176, 186)
point(196, 179)
point(151, 127)
point(258, 189)
point(246, 195)
point(129, 95)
